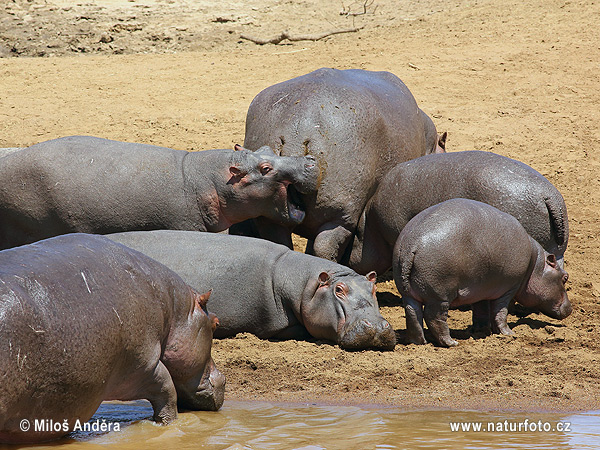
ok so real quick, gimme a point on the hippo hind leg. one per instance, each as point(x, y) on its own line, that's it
point(414, 321)
point(499, 313)
point(436, 316)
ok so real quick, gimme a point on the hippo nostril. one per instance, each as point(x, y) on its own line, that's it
point(367, 323)
point(384, 325)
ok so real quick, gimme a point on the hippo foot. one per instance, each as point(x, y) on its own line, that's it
point(505, 331)
point(448, 342)
point(417, 338)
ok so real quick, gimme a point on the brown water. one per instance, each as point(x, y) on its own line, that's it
point(262, 425)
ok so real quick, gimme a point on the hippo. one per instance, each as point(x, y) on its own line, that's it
point(84, 319)
point(93, 185)
point(413, 186)
point(358, 124)
point(269, 290)
point(465, 252)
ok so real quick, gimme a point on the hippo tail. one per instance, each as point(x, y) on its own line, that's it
point(557, 210)
point(403, 282)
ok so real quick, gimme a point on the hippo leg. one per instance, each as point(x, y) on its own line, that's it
point(331, 241)
point(436, 316)
point(162, 395)
point(499, 313)
point(481, 317)
point(414, 321)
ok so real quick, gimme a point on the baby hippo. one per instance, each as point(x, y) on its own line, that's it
point(464, 252)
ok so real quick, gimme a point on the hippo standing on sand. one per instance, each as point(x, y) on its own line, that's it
point(83, 320)
point(464, 252)
point(413, 186)
point(358, 124)
point(271, 291)
point(93, 185)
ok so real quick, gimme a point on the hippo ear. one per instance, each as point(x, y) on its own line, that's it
point(238, 148)
point(551, 260)
point(214, 320)
point(442, 137)
point(324, 279)
point(200, 300)
point(371, 276)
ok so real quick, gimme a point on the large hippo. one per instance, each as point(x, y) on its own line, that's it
point(358, 124)
point(464, 252)
point(83, 320)
point(413, 186)
point(92, 185)
point(271, 291)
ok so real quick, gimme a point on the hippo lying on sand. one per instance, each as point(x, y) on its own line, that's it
point(463, 252)
point(85, 320)
point(93, 185)
point(271, 291)
point(412, 186)
point(358, 124)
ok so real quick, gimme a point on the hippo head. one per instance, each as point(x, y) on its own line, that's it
point(187, 356)
point(268, 185)
point(342, 307)
point(545, 289)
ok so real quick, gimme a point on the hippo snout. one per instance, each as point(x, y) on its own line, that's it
point(365, 333)
point(307, 182)
point(210, 394)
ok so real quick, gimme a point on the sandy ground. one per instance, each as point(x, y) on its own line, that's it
point(517, 78)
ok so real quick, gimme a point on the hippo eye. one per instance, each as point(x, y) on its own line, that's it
point(265, 169)
point(340, 290)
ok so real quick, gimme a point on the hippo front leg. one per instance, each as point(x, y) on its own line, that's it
point(160, 392)
point(331, 241)
point(414, 321)
point(499, 314)
point(436, 316)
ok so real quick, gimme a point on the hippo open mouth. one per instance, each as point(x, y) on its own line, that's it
point(295, 204)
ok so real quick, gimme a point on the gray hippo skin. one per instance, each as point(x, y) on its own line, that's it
point(413, 186)
point(358, 124)
point(85, 320)
point(463, 252)
point(271, 291)
point(93, 185)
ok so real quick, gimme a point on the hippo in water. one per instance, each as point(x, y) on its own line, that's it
point(464, 252)
point(358, 124)
point(271, 291)
point(93, 185)
point(413, 186)
point(83, 320)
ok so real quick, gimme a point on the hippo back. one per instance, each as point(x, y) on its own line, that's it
point(507, 184)
point(358, 124)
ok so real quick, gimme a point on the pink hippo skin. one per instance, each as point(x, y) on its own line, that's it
point(463, 252)
point(83, 320)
